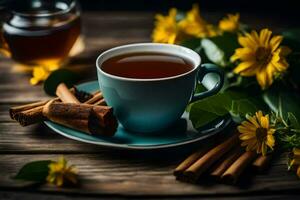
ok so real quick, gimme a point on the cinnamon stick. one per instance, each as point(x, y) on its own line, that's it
point(32, 113)
point(189, 161)
point(91, 119)
point(14, 110)
point(31, 116)
point(261, 163)
point(224, 164)
point(233, 173)
point(203, 163)
point(96, 97)
point(65, 95)
point(100, 102)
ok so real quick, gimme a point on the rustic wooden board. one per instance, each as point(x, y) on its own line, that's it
point(109, 172)
point(51, 196)
point(119, 173)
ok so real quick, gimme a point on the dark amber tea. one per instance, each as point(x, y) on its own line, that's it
point(41, 32)
point(44, 47)
point(146, 65)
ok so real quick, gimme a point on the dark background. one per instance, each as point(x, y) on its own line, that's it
point(278, 7)
point(286, 11)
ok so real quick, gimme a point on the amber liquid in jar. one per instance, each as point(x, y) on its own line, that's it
point(42, 41)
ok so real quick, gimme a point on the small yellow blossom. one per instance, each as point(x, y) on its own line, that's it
point(262, 56)
point(166, 29)
point(295, 160)
point(256, 133)
point(41, 73)
point(193, 24)
point(230, 23)
point(60, 173)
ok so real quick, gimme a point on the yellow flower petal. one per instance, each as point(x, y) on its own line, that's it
point(246, 130)
point(244, 54)
point(259, 114)
point(247, 42)
point(262, 78)
point(246, 68)
point(298, 172)
point(249, 126)
point(193, 24)
point(264, 149)
point(166, 29)
point(275, 42)
point(253, 121)
point(254, 36)
point(230, 23)
point(247, 136)
point(281, 65)
point(264, 122)
point(264, 37)
point(270, 141)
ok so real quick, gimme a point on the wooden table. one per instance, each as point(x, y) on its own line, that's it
point(106, 172)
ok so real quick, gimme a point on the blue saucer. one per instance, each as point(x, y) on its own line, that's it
point(181, 133)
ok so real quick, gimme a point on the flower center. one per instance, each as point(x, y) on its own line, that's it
point(262, 54)
point(261, 134)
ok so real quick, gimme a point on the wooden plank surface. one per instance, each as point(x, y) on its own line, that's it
point(106, 171)
point(121, 173)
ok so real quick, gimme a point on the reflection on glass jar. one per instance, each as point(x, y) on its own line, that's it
point(41, 32)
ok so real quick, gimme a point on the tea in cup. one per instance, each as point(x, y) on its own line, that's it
point(149, 85)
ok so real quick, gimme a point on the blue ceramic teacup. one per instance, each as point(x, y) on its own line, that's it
point(150, 105)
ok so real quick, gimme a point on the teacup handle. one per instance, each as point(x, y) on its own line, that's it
point(202, 72)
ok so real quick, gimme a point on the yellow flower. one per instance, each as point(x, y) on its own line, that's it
point(60, 173)
point(166, 29)
point(193, 24)
point(261, 56)
point(230, 23)
point(256, 133)
point(41, 73)
point(295, 161)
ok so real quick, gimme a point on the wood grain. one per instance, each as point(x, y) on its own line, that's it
point(104, 171)
point(124, 175)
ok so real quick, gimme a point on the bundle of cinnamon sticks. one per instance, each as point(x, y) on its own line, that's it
point(74, 109)
point(225, 162)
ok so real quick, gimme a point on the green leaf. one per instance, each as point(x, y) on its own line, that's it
point(34, 171)
point(243, 107)
point(219, 49)
point(199, 88)
point(194, 44)
point(58, 76)
point(293, 121)
point(289, 101)
point(180, 15)
point(207, 110)
point(238, 104)
point(213, 52)
point(201, 117)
